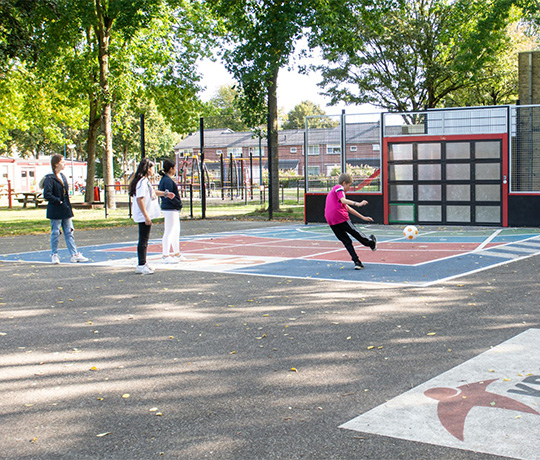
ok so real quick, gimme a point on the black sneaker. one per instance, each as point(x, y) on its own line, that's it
point(374, 240)
point(358, 265)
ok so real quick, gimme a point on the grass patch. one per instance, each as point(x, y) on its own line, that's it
point(29, 221)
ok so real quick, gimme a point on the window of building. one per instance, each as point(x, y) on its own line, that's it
point(236, 152)
point(219, 152)
point(333, 149)
point(293, 150)
point(353, 148)
point(313, 149)
point(314, 170)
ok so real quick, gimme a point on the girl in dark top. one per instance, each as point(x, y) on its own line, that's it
point(56, 192)
point(170, 208)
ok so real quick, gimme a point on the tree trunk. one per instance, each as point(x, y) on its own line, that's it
point(103, 32)
point(93, 126)
point(273, 115)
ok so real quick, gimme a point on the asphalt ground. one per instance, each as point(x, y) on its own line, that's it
point(100, 363)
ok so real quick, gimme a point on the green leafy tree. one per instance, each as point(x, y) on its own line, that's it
point(497, 82)
point(223, 110)
point(295, 119)
point(108, 50)
point(260, 39)
point(407, 55)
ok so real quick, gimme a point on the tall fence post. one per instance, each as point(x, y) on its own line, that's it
point(271, 185)
point(201, 174)
point(191, 200)
point(343, 142)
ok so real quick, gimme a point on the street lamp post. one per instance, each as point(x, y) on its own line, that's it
point(71, 147)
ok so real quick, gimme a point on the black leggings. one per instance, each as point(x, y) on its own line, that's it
point(342, 232)
point(142, 246)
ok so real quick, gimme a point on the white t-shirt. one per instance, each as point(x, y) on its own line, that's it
point(145, 191)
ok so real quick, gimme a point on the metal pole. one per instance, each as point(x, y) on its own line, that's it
point(203, 186)
point(270, 184)
point(251, 173)
point(261, 184)
point(306, 176)
point(143, 152)
point(222, 163)
point(343, 142)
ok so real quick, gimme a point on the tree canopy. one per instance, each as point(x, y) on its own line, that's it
point(295, 119)
point(407, 55)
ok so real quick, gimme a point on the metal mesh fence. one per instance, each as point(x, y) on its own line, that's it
point(446, 122)
point(340, 143)
point(525, 149)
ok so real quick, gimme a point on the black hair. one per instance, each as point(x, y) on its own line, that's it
point(167, 165)
point(142, 171)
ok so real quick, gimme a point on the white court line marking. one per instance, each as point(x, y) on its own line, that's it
point(488, 240)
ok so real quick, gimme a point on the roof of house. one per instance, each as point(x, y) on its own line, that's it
point(225, 138)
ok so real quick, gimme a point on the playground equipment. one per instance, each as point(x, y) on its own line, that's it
point(189, 173)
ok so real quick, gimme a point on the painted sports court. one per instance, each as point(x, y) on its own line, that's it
point(312, 252)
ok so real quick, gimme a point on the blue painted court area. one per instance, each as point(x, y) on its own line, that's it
point(312, 252)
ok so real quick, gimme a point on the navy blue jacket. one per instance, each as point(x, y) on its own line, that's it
point(166, 183)
point(57, 195)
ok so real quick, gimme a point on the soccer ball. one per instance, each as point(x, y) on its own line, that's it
point(410, 232)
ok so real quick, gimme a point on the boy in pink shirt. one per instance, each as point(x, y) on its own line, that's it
point(337, 211)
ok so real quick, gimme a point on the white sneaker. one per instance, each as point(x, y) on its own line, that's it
point(169, 260)
point(55, 259)
point(144, 270)
point(180, 258)
point(78, 258)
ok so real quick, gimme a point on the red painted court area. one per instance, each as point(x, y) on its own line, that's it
point(389, 252)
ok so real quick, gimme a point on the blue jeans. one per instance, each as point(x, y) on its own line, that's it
point(67, 227)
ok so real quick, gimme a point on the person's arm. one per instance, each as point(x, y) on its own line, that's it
point(357, 214)
point(48, 192)
point(169, 195)
point(142, 207)
point(358, 204)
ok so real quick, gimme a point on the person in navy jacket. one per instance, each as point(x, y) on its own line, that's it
point(56, 192)
point(170, 208)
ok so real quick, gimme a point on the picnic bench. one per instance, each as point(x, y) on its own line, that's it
point(30, 197)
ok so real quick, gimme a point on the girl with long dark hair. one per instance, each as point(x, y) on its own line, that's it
point(145, 207)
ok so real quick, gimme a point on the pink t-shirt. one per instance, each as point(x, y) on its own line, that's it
point(335, 212)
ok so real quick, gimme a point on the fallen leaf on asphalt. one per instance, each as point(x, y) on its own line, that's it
point(371, 347)
point(431, 333)
point(154, 409)
point(93, 368)
point(103, 434)
point(126, 395)
point(293, 369)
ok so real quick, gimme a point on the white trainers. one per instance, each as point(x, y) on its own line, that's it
point(55, 259)
point(180, 258)
point(78, 258)
point(144, 270)
point(169, 260)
